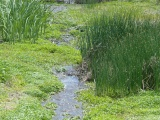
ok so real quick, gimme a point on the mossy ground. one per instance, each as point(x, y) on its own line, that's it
point(29, 78)
point(142, 106)
point(26, 72)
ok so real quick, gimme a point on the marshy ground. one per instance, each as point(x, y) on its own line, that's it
point(29, 77)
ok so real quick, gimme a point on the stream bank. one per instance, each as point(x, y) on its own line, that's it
point(67, 105)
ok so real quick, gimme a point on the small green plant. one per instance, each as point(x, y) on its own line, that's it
point(50, 86)
point(4, 72)
point(22, 20)
point(36, 93)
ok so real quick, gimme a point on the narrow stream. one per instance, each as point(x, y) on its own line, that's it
point(68, 107)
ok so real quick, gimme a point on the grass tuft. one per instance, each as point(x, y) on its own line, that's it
point(123, 52)
point(22, 20)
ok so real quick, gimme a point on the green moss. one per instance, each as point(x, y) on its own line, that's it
point(35, 92)
point(55, 31)
point(30, 68)
point(75, 33)
point(144, 105)
point(28, 109)
point(50, 86)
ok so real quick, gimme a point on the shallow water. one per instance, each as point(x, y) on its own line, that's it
point(56, 9)
point(67, 105)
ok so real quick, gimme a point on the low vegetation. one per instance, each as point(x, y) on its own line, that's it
point(122, 48)
point(26, 78)
point(142, 106)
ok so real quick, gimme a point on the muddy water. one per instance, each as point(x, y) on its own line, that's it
point(68, 107)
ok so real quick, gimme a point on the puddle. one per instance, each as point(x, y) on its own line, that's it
point(67, 105)
point(66, 38)
point(56, 9)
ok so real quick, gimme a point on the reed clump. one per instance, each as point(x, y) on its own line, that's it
point(123, 52)
point(22, 20)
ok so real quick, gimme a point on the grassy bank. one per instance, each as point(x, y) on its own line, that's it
point(26, 78)
point(110, 41)
point(26, 71)
point(123, 51)
point(143, 106)
point(122, 47)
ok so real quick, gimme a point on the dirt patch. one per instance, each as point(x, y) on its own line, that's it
point(12, 101)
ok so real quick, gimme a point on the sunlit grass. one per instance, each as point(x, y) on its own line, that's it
point(28, 109)
point(22, 19)
point(30, 68)
point(26, 77)
point(143, 106)
point(123, 51)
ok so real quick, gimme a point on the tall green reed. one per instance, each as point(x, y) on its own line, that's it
point(22, 20)
point(123, 51)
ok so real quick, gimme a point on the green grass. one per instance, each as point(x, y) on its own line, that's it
point(29, 77)
point(55, 31)
point(123, 51)
point(22, 20)
point(143, 106)
point(26, 77)
point(28, 109)
point(4, 71)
